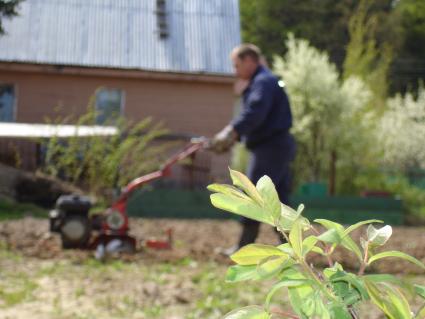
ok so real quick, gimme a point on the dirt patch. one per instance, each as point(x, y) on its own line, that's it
point(196, 239)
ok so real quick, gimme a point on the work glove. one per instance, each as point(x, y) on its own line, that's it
point(223, 140)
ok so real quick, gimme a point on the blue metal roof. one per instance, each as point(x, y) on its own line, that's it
point(124, 34)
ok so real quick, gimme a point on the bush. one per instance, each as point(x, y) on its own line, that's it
point(102, 163)
point(396, 183)
point(331, 293)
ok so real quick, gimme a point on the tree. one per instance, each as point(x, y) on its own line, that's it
point(365, 57)
point(8, 9)
point(330, 121)
point(325, 25)
point(402, 131)
point(409, 65)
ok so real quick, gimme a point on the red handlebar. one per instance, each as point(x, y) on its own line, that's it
point(191, 148)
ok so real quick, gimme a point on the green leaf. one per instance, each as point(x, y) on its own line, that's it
point(296, 239)
point(340, 312)
point(389, 300)
point(349, 287)
point(331, 236)
point(241, 273)
point(297, 298)
point(268, 193)
point(308, 244)
point(297, 294)
point(379, 237)
point(384, 278)
point(270, 266)
point(227, 190)
point(329, 272)
point(359, 224)
point(308, 306)
point(313, 307)
point(321, 310)
point(421, 313)
point(335, 235)
point(240, 206)
point(395, 303)
point(300, 209)
point(346, 241)
point(243, 182)
point(285, 282)
point(398, 254)
point(252, 254)
point(328, 224)
point(399, 302)
point(288, 216)
point(286, 248)
point(318, 250)
point(349, 243)
point(374, 293)
point(420, 290)
point(250, 312)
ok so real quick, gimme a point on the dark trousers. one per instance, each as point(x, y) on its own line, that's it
point(273, 160)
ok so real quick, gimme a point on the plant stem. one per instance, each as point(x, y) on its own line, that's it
point(317, 280)
point(282, 231)
point(286, 236)
point(326, 247)
point(364, 262)
point(352, 312)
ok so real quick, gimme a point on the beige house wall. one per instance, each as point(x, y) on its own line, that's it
point(189, 104)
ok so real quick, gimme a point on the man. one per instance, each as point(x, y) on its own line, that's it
point(263, 125)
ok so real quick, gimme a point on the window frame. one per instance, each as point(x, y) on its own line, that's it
point(15, 100)
point(122, 101)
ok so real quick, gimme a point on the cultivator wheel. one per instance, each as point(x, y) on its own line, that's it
point(75, 231)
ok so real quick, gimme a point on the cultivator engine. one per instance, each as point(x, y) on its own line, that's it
point(71, 217)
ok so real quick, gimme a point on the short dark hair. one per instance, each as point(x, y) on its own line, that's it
point(248, 49)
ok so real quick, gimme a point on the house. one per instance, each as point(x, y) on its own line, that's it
point(168, 59)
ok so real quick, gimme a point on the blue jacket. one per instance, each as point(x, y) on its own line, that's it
point(266, 114)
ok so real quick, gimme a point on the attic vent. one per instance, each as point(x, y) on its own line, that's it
point(161, 18)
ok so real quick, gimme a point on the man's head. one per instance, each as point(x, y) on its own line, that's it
point(245, 59)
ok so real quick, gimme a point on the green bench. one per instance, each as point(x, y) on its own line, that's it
point(182, 203)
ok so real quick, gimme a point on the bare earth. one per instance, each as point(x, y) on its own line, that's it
point(167, 296)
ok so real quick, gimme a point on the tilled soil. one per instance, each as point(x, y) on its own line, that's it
point(199, 240)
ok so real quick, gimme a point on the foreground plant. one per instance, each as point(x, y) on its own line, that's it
point(330, 293)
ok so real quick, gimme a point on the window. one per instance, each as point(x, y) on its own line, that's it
point(7, 103)
point(161, 18)
point(109, 105)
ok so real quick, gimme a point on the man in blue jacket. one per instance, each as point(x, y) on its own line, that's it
point(263, 125)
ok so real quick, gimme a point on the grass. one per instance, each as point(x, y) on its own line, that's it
point(13, 210)
point(183, 289)
point(17, 289)
point(116, 289)
point(67, 288)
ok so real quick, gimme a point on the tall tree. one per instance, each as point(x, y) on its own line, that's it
point(329, 114)
point(365, 58)
point(409, 65)
point(8, 8)
point(325, 24)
